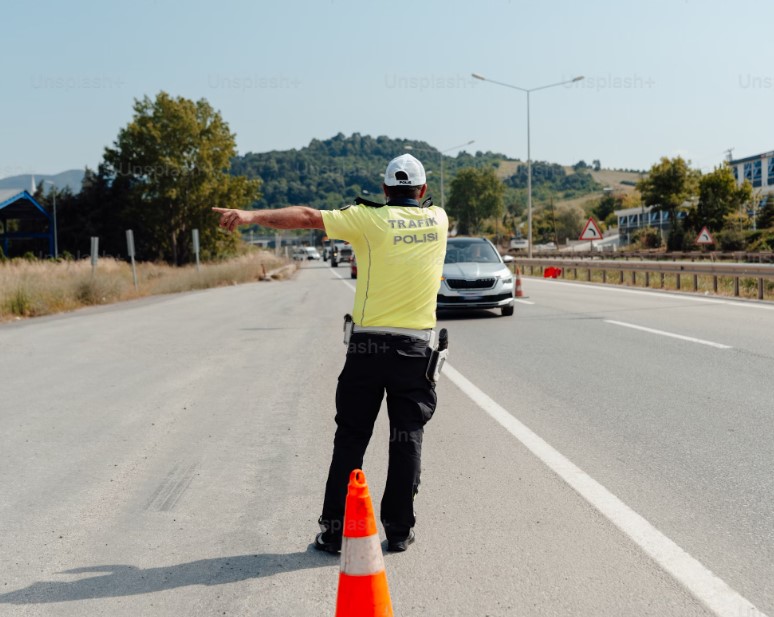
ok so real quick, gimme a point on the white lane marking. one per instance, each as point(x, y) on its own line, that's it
point(669, 334)
point(703, 584)
point(347, 283)
point(656, 293)
point(523, 301)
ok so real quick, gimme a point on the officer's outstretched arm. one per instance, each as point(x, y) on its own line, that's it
point(293, 217)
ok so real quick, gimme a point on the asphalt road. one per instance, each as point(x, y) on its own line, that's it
point(168, 456)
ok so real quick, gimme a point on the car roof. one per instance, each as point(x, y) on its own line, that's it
point(460, 240)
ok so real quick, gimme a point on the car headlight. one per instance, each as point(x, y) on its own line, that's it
point(506, 276)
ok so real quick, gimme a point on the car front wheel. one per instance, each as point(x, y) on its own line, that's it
point(507, 311)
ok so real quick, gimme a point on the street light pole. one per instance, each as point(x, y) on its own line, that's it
point(529, 153)
point(56, 231)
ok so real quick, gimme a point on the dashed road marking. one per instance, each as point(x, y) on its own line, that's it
point(690, 339)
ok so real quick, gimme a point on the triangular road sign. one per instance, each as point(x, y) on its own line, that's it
point(705, 237)
point(591, 231)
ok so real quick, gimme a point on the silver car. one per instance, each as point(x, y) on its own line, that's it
point(475, 276)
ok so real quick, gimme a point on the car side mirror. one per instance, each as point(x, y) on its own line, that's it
point(508, 259)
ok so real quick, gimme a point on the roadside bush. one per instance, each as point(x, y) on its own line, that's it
point(731, 240)
point(764, 241)
point(647, 238)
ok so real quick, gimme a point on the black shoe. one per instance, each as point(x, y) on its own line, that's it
point(329, 545)
point(395, 545)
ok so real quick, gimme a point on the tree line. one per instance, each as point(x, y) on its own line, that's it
point(177, 158)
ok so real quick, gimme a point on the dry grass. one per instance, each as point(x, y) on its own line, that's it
point(31, 289)
point(608, 177)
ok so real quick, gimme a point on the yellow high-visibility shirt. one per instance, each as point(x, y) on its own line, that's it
point(400, 252)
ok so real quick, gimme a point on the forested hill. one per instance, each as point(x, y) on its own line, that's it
point(330, 173)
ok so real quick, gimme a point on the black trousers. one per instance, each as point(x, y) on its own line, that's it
point(378, 363)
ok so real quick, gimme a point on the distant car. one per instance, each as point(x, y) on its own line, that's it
point(548, 246)
point(519, 244)
point(303, 253)
point(475, 276)
point(299, 254)
point(353, 268)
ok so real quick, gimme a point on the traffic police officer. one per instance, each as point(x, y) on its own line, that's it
point(400, 250)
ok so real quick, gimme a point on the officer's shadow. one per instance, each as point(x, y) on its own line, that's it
point(122, 580)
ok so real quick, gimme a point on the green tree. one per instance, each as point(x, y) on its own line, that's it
point(569, 224)
point(719, 196)
point(476, 194)
point(765, 216)
point(171, 163)
point(606, 206)
point(670, 183)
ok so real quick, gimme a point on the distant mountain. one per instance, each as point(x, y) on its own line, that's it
point(71, 178)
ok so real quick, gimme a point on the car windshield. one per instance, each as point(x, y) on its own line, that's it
point(476, 251)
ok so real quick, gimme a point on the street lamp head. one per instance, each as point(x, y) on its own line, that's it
point(579, 77)
point(477, 76)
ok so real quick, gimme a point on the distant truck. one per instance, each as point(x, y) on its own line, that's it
point(341, 252)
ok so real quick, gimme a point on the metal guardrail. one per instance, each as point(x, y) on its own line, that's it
point(763, 257)
point(735, 271)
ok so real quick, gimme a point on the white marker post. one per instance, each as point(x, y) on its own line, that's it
point(196, 246)
point(130, 252)
point(94, 254)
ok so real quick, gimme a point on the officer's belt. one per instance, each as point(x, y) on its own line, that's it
point(427, 336)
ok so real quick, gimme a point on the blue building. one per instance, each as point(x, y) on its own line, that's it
point(757, 169)
point(632, 219)
point(25, 224)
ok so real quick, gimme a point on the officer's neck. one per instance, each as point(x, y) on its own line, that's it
point(403, 201)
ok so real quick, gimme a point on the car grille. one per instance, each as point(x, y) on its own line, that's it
point(463, 300)
point(487, 283)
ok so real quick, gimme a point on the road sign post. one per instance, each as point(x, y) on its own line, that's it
point(130, 252)
point(94, 254)
point(705, 237)
point(591, 232)
point(196, 247)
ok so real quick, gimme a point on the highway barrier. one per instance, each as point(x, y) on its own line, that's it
point(757, 277)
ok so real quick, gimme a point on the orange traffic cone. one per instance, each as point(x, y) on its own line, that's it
point(519, 292)
point(363, 588)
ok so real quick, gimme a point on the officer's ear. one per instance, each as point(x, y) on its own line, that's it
point(384, 188)
point(422, 191)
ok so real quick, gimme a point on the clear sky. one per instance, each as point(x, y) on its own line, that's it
point(663, 77)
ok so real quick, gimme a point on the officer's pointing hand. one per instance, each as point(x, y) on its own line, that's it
point(231, 219)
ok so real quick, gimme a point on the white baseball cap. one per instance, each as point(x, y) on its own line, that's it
point(405, 170)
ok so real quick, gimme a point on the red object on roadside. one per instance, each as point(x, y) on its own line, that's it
point(552, 273)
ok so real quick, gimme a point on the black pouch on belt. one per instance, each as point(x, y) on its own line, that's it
point(438, 357)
